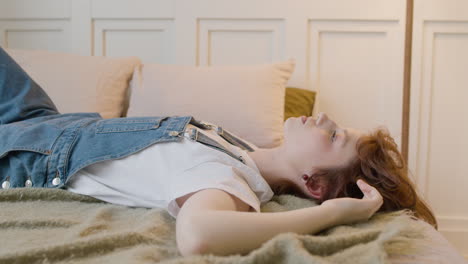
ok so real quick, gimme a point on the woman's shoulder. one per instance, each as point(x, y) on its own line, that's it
point(239, 204)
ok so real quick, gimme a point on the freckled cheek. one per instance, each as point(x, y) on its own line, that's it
point(323, 148)
point(322, 142)
point(315, 149)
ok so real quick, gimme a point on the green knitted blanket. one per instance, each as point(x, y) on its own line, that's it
point(56, 226)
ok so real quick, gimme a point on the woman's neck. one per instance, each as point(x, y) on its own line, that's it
point(273, 165)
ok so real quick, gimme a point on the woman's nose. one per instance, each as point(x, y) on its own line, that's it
point(321, 118)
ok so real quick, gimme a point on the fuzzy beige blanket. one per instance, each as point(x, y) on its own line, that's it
point(56, 226)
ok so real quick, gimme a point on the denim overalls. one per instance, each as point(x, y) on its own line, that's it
point(39, 147)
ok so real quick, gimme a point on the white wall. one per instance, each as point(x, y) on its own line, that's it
point(438, 149)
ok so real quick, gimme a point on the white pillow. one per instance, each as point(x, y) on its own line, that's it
point(247, 100)
point(80, 83)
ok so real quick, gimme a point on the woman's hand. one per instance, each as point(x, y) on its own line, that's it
point(351, 209)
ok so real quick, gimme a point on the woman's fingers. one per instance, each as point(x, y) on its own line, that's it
point(363, 186)
point(353, 209)
point(367, 190)
point(370, 192)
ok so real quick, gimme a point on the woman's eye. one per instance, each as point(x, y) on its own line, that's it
point(333, 137)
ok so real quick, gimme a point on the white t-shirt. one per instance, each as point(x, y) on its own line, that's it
point(163, 172)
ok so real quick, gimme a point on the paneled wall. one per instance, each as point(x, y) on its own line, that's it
point(438, 143)
point(350, 52)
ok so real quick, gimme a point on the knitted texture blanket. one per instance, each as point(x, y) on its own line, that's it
point(56, 226)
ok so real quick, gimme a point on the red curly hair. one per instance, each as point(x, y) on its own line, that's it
point(380, 164)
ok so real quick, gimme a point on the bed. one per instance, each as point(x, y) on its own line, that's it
point(56, 226)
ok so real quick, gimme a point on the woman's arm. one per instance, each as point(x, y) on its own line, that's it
point(209, 223)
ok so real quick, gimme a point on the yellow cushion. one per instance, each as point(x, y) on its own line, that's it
point(298, 102)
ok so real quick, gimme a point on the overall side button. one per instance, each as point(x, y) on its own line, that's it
point(6, 183)
point(28, 183)
point(56, 181)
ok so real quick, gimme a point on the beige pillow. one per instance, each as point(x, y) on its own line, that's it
point(80, 83)
point(247, 100)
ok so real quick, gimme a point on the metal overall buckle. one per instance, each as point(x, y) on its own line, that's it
point(193, 134)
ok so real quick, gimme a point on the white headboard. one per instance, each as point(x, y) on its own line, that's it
point(350, 51)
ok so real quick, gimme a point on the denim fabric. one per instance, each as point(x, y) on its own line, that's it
point(39, 147)
point(21, 97)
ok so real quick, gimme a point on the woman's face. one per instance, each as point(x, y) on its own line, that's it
point(318, 143)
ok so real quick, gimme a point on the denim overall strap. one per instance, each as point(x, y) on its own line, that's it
point(195, 135)
point(224, 134)
point(233, 140)
point(21, 97)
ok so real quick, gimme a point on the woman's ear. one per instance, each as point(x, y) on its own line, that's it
point(316, 189)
